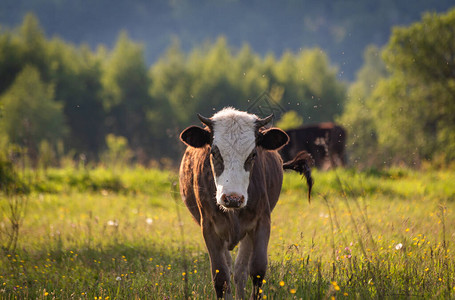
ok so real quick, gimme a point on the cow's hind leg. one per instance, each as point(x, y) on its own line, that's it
point(241, 266)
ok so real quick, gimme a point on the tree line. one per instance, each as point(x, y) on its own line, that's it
point(401, 108)
point(342, 28)
point(59, 100)
point(67, 99)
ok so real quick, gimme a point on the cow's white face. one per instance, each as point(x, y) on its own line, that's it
point(232, 156)
point(233, 137)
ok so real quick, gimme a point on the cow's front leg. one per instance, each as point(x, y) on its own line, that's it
point(241, 267)
point(258, 261)
point(220, 267)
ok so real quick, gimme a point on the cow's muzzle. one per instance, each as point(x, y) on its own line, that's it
point(232, 201)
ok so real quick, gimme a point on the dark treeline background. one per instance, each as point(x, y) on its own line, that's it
point(60, 94)
point(341, 28)
point(60, 100)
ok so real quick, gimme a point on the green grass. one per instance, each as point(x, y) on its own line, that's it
point(118, 235)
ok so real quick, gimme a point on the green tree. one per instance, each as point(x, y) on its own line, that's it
point(400, 119)
point(173, 105)
point(31, 115)
point(415, 112)
point(214, 75)
point(213, 85)
point(290, 120)
point(326, 93)
point(32, 43)
point(246, 73)
point(117, 155)
point(76, 75)
point(126, 94)
point(171, 88)
point(310, 85)
point(357, 117)
point(26, 45)
point(10, 59)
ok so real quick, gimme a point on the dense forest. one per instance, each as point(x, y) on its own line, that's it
point(63, 102)
point(341, 28)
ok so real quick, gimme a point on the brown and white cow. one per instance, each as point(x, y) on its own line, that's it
point(230, 180)
point(324, 141)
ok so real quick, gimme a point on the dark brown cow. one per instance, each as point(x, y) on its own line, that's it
point(230, 180)
point(324, 141)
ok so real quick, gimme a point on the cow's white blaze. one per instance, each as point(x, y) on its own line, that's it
point(234, 135)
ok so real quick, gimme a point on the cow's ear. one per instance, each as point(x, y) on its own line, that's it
point(272, 139)
point(195, 136)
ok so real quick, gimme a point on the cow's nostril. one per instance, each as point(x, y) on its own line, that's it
point(232, 200)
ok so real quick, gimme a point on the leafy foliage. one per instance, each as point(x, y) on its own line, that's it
point(290, 120)
point(362, 144)
point(407, 115)
point(10, 181)
point(126, 99)
point(33, 114)
point(399, 110)
point(113, 92)
point(342, 29)
point(117, 155)
point(421, 88)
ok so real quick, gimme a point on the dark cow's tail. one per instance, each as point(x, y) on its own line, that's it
point(302, 163)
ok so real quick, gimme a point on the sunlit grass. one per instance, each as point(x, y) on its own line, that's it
point(368, 235)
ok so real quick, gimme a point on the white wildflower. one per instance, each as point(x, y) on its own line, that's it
point(112, 223)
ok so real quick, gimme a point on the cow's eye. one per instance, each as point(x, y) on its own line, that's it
point(216, 161)
point(252, 155)
point(250, 160)
point(215, 152)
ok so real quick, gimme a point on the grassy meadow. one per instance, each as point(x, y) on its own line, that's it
point(125, 234)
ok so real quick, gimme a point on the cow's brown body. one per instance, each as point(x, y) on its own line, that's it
point(230, 180)
point(225, 229)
